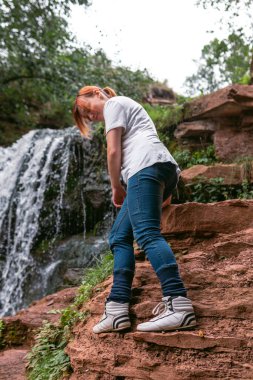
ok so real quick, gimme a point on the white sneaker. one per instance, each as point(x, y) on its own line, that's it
point(115, 318)
point(171, 314)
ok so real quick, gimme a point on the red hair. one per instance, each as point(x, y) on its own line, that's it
point(80, 113)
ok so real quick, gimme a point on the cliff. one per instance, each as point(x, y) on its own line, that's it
point(214, 246)
point(213, 243)
point(223, 118)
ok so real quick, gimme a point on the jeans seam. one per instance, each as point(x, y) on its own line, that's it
point(118, 225)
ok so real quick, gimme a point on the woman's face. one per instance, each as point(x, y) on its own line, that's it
point(92, 107)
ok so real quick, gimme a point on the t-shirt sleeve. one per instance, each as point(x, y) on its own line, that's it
point(114, 115)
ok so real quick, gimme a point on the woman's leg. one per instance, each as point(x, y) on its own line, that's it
point(116, 313)
point(144, 201)
point(121, 244)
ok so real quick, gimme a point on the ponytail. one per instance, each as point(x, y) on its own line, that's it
point(109, 92)
point(79, 112)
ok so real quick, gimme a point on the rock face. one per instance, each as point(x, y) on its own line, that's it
point(232, 174)
point(215, 257)
point(19, 330)
point(224, 118)
point(214, 247)
point(13, 359)
point(160, 94)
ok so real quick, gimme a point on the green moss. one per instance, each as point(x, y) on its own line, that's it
point(2, 326)
point(12, 334)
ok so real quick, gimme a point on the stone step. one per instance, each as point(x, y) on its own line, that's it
point(192, 340)
point(13, 364)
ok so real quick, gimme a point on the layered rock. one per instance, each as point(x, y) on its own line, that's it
point(19, 331)
point(160, 94)
point(232, 174)
point(225, 118)
point(214, 246)
point(214, 255)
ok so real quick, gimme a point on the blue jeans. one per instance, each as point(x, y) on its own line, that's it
point(139, 219)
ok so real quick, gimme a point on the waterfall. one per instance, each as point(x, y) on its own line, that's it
point(38, 160)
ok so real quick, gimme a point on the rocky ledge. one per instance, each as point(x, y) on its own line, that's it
point(223, 118)
point(214, 246)
point(216, 268)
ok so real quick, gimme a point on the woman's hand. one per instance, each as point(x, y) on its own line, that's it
point(118, 195)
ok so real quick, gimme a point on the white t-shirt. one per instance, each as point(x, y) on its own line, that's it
point(141, 146)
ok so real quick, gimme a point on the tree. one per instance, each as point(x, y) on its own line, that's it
point(34, 36)
point(229, 60)
point(42, 67)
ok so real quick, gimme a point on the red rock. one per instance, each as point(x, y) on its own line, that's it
point(218, 274)
point(220, 346)
point(232, 174)
point(224, 118)
point(232, 143)
point(195, 128)
point(198, 219)
point(19, 329)
point(226, 102)
point(184, 339)
point(12, 364)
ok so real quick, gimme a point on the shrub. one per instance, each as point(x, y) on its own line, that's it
point(47, 359)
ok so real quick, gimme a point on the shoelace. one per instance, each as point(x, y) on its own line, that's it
point(162, 307)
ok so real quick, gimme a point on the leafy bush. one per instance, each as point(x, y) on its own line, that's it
point(47, 359)
point(215, 190)
point(165, 119)
point(164, 116)
point(1, 333)
point(186, 159)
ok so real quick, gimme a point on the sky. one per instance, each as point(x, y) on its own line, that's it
point(163, 36)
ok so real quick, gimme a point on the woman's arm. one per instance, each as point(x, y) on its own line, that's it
point(113, 139)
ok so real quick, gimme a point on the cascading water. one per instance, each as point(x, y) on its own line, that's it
point(25, 174)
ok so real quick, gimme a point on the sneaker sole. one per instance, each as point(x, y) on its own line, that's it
point(113, 330)
point(190, 327)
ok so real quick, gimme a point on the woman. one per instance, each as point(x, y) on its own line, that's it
point(135, 152)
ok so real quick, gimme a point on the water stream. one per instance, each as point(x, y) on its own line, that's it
point(25, 172)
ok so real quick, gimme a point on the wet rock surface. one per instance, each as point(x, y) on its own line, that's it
point(218, 275)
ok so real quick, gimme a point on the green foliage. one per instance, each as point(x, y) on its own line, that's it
point(42, 67)
point(222, 62)
point(1, 333)
point(165, 119)
point(94, 276)
point(229, 60)
point(47, 359)
point(164, 116)
point(186, 159)
point(214, 190)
